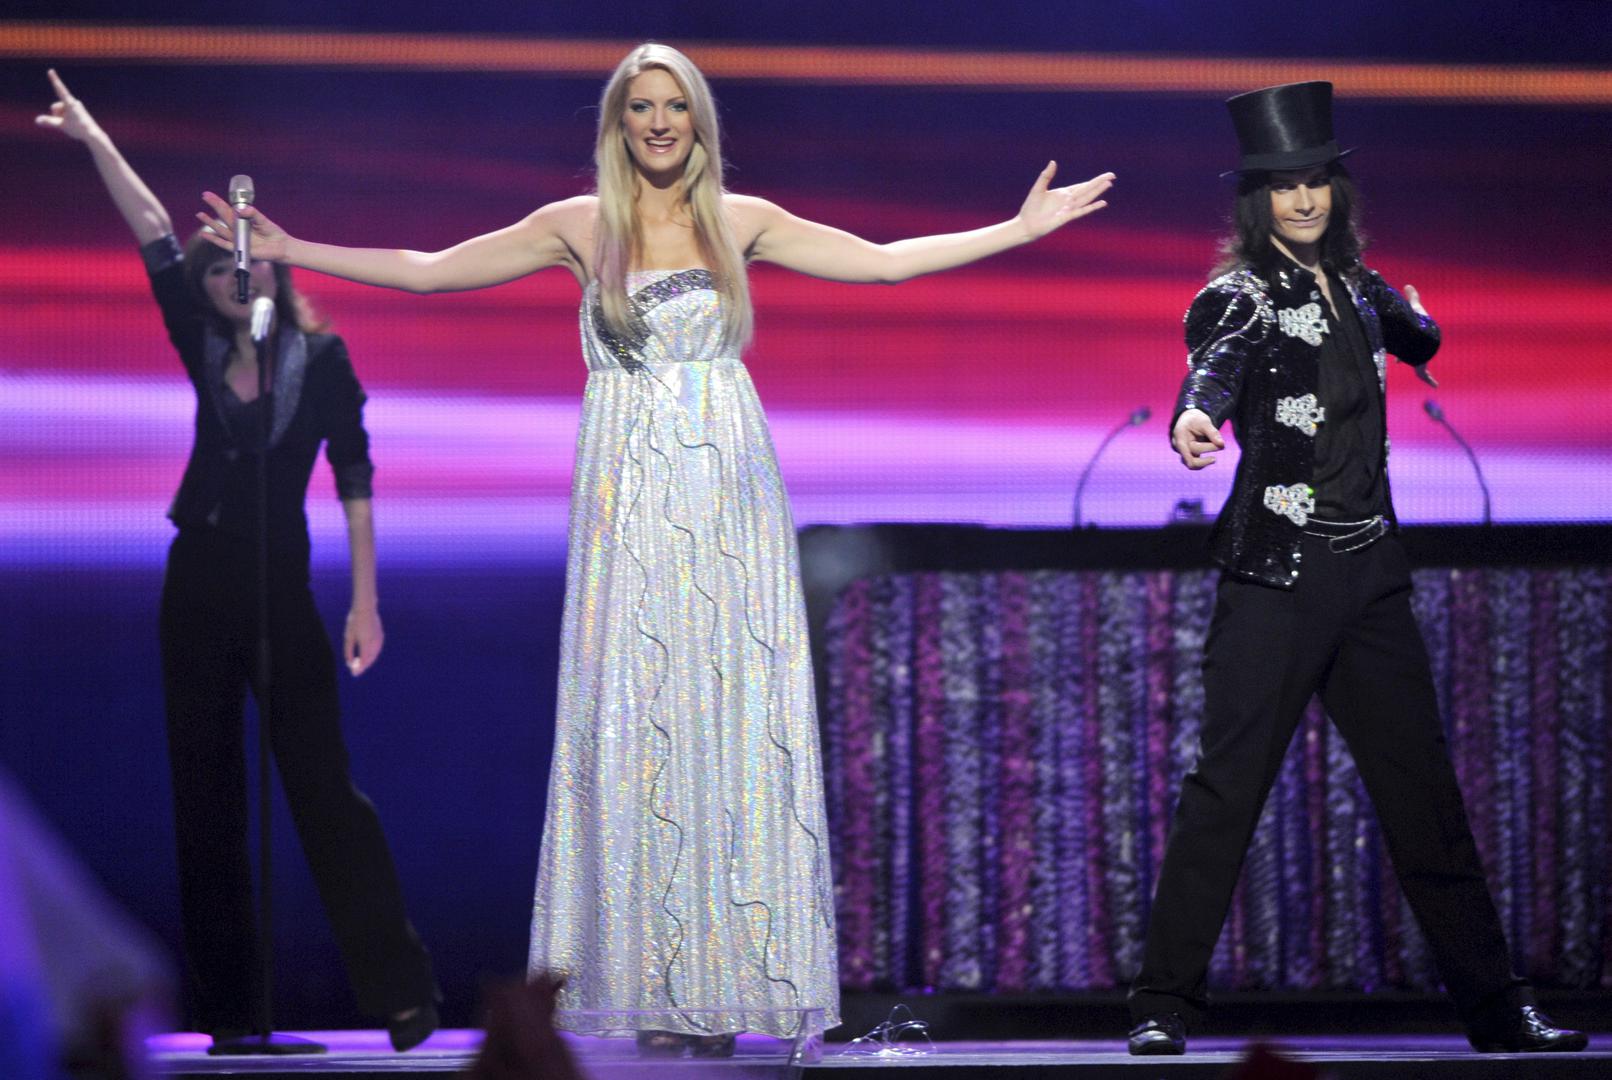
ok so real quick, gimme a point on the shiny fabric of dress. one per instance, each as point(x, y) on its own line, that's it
point(685, 861)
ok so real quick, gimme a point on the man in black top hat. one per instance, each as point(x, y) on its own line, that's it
point(1289, 342)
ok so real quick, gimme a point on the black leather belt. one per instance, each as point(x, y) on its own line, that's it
point(1348, 535)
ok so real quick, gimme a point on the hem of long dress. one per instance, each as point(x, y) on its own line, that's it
point(781, 1023)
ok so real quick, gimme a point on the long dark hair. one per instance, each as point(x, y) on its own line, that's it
point(1249, 243)
point(291, 308)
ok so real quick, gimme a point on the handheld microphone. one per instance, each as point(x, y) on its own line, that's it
point(240, 197)
point(1139, 415)
point(1433, 410)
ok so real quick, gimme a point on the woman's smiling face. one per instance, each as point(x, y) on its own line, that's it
point(657, 125)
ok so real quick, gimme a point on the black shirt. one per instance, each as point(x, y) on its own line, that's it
point(1349, 441)
point(246, 419)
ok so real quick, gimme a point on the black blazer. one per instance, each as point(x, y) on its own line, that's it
point(316, 399)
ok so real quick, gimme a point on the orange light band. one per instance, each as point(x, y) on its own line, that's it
point(833, 65)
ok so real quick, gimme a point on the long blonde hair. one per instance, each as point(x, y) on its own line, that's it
point(618, 236)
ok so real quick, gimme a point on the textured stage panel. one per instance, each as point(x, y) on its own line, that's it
point(1003, 751)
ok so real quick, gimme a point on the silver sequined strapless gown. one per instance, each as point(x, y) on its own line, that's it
point(685, 858)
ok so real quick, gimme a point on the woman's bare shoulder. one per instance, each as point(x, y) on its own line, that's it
point(750, 216)
point(577, 211)
point(749, 206)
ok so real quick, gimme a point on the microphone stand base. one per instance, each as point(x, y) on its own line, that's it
point(271, 1045)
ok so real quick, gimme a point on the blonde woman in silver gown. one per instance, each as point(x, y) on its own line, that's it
point(684, 864)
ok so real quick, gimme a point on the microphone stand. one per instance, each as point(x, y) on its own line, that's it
point(1433, 409)
point(1137, 416)
point(265, 1040)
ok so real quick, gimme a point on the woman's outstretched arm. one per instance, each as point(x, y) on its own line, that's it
point(134, 200)
point(821, 251)
point(549, 236)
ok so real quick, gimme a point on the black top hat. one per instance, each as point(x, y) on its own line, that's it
point(1285, 127)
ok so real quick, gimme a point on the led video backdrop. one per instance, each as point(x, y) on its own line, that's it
point(976, 395)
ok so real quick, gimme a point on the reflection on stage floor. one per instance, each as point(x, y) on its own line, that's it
point(365, 1054)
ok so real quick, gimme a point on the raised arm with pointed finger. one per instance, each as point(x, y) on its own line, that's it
point(225, 522)
point(778, 236)
point(134, 200)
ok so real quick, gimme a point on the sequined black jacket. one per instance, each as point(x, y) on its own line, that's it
point(1254, 346)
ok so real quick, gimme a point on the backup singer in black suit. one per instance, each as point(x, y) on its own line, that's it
point(1289, 343)
point(209, 626)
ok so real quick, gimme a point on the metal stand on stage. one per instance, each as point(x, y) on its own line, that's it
point(265, 1040)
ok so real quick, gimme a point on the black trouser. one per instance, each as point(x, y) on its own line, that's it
point(1345, 631)
point(209, 643)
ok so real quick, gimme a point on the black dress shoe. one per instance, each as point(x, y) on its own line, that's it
point(413, 1027)
point(1523, 1029)
point(1165, 1034)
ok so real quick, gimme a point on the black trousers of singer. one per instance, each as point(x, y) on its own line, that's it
point(209, 646)
point(1344, 631)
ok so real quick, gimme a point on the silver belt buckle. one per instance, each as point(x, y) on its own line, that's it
point(1365, 536)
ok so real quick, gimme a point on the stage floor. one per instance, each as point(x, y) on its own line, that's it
point(364, 1054)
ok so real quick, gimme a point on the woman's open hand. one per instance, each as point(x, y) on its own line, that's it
point(268, 239)
point(1048, 208)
